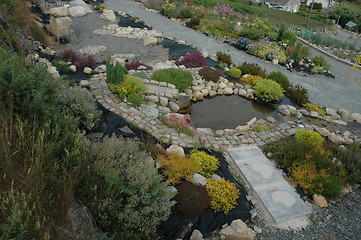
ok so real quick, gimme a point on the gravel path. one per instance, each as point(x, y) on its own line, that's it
point(341, 92)
point(337, 222)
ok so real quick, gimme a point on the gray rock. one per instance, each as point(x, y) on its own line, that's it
point(340, 122)
point(164, 65)
point(217, 177)
point(154, 99)
point(284, 126)
point(252, 121)
point(222, 85)
point(163, 101)
point(61, 27)
point(173, 106)
point(108, 16)
point(212, 93)
point(72, 68)
point(84, 83)
point(304, 112)
point(151, 111)
point(150, 41)
point(100, 69)
point(205, 131)
point(175, 149)
point(88, 70)
point(172, 189)
point(196, 235)
point(198, 179)
point(164, 110)
point(77, 11)
point(244, 128)
point(238, 230)
point(344, 113)
point(250, 96)
point(78, 221)
point(323, 131)
point(283, 109)
point(356, 117)
point(228, 131)
point(59, 12)
point(228, 91)
point(270, 119)
point(219, 132)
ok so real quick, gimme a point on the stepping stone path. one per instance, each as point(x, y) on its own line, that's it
point(275, 193)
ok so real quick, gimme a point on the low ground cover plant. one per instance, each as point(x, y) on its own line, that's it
point(269, 52)
point(251, 79)
point(193, 60)
point(210, 74)
point(181, 79)
point(223, 195)
point(180, 123)
point(314, 107)
point(206, 163)
point(268, 90)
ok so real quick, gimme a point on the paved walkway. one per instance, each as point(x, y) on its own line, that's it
point(275, 193)
point(342, 92)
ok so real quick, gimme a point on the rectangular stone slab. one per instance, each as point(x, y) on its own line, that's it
point(276, 194)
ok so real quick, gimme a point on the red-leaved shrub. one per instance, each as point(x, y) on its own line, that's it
point(134, 65)
point(192, 199)
point(193, 60)
point(69, 55)
point(209, 74)
point(85, 61)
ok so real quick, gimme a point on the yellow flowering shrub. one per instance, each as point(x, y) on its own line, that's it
point(223, 195)
point(251, 80)
point(314, 107)
point(309, 137)
point(270, 52)
point(206, 163)
point(177, 167)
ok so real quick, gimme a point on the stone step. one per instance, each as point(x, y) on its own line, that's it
point(275, 193)
point(164, 91)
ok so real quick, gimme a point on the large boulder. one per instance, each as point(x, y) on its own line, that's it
point(108, 16)
point(59, 12)
point(175, 149)
point(61, 27)
point(77, 11)
point(196, 235)
point(238, 230)
point(198, 179)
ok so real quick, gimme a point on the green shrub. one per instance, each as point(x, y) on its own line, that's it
point(317, 70)
point(320, 61)
point(234, 72)
point(124, 193)
point(280, 78)
point(135, 99)
point(209, 74)
point(253, 69)
point(307, 137)
point(192, 199)
point(79, 103)
point(351, 160)
point(253, 33)
point(224, 58)
point(260, 128)
point(298, 94)
point(288, 37)
point(224, 195)
point(115, 74)
point(206, 163)
point(314, 107)
point(268, 90)
point(130, 85)
point(193, 22)
point(182, 79)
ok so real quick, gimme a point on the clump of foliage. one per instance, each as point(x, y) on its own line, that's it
point(268, 90)
point(314, 181)
point(351, 160)
point(192, 199)
point(224, 195)
point(42, 153)
point(209, 74)
point(79, 103)
point(115, 73)
point(288, 37)
point(234, 72)
point(134, 65)
point(206, 163)
point(123, 191)
point(317, 70)
point(224, 58)
point(141, 75)
point(177, 167)
point(69, 55)
point(298, 52)
point(252, 33)
point(193, 22)
point(84, 61)
point(131, 84)
point(251, 80)
point(320, 61)
point(260, 128)
point(193, 60)
point(269, 52)
point(298, 94)
point(253, 69)
point(181, 79)
point(279, 78)
point(243, 43)
point(180, 123)
point(135, 99)
point(314, 107)
point(309, 137)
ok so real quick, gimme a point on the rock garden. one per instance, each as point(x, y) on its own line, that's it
point(133, 159)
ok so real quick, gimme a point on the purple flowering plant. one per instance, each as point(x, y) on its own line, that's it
point(224, 10)
point(243, 43)
point(193, 60)
point(134, 65)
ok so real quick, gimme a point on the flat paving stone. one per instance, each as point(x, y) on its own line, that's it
point(161, 90)
point(276, 194)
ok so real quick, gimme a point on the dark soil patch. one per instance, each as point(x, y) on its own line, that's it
point(45, 18)
point(128, 21)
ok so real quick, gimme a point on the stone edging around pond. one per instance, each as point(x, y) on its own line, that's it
point(145, 118)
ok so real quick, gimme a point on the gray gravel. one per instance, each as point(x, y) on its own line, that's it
point(339, 221)
point(342, 92)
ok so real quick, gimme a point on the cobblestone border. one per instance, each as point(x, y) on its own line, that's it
point(168, 135)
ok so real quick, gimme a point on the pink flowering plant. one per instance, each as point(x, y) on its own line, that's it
point(193, 60)
point(180, 123)
point(224, 10)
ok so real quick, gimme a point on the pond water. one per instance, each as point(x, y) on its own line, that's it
point(229, 112)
